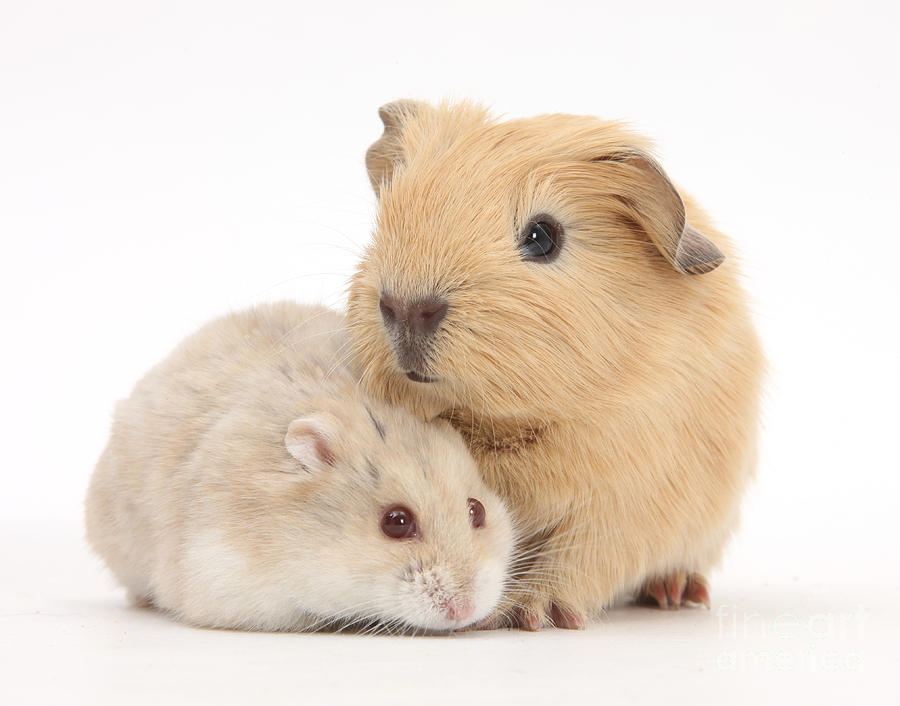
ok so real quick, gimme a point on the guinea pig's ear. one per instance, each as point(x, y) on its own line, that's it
point(386, 153)
point(308, 440)
point(652, 201)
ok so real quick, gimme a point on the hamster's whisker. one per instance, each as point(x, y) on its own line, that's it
point(390, 627)
point(371, 630)
point(380, 625)
point(346, 614)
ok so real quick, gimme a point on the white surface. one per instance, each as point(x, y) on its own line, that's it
point(163, 162)
point(68, 638)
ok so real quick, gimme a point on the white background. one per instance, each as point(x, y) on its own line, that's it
point(164, 162)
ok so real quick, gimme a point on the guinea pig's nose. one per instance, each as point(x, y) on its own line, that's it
point(426, 315)
point(421, 317)
point(389, 308)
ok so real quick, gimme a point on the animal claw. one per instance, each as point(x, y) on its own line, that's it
point(675, 590)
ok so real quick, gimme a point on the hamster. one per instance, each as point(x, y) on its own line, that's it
point(543, 285)
point(249, 484)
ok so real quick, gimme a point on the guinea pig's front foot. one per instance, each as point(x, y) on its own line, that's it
point(551, 614)
point(533, 615)
point(675, 590)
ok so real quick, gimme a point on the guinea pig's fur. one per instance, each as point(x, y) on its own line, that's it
point(246, 477)
point(609, 394)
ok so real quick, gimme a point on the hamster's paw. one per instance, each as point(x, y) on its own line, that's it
point(675, 590)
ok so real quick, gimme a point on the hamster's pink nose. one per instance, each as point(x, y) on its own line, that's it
point(459, 608)
point(420, 318)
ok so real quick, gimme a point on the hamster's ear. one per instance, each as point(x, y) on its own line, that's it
point(650, 199)
point(386, 153)
point(308, 440)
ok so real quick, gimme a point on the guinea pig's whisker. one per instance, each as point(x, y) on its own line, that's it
point(290, 332)
point(340, 361)
point(276, 347)
point(295, 278)
point(283, 344)
point(540, 577)
point(358, 247)
point(525, 562)
point(364, 374)
point(470, 395)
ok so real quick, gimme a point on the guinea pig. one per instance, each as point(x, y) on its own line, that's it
point(248, 483)
point(542, 284)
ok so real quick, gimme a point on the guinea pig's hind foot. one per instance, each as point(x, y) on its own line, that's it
point(675, 590)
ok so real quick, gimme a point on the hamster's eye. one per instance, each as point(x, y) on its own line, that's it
point(398, 522)
point(476, 513)
point(541, 240)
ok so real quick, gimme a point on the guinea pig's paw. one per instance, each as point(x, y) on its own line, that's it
point(536, 615)
point(503, 618)
point(532, 614)
point(518, 613)
point(498, 620)
point(567, 618)
point(675, 590)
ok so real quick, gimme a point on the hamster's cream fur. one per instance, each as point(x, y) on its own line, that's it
point(246, 478)
point(609, 394)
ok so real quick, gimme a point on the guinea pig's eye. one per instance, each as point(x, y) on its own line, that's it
point(541, 239)
point(476, 513)
point(399, 523)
